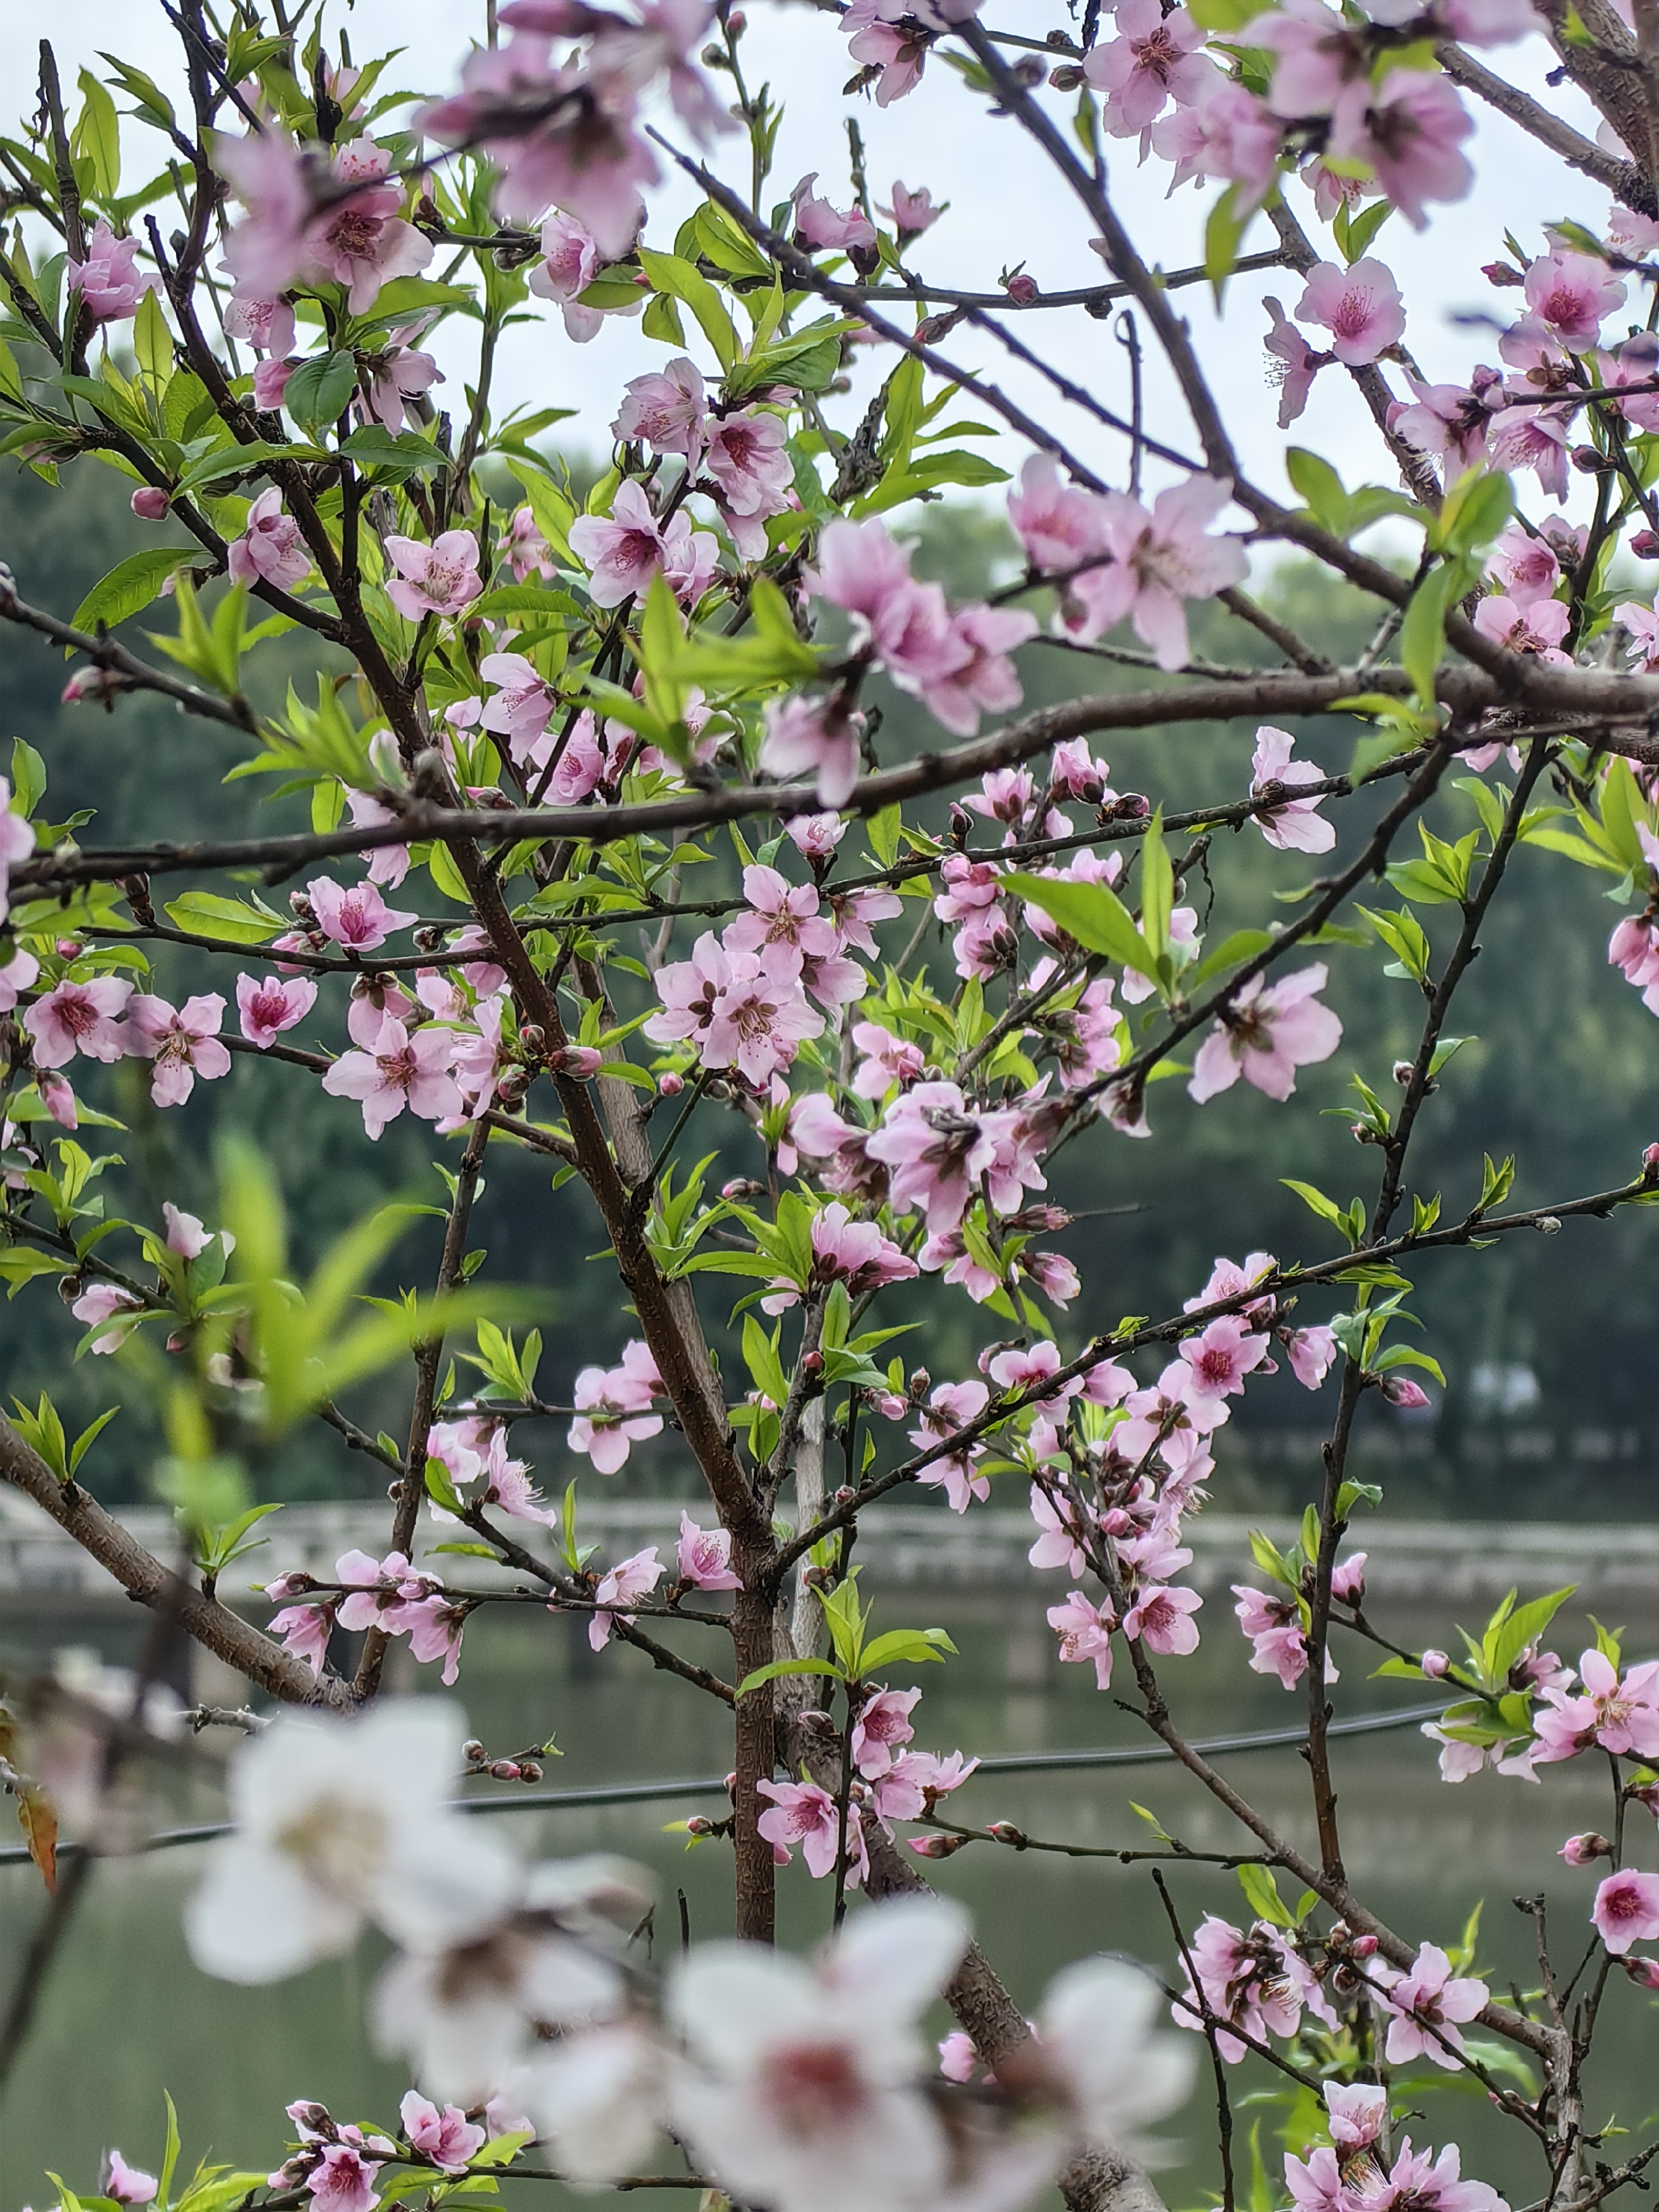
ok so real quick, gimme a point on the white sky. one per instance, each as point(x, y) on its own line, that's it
point(1006, 208)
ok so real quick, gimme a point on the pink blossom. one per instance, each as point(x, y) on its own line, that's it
point(875, 40)
point(271, 549)
point(1408, 129)
point(1086, 1632)
point(432, 1626)
point(1159, 560)
point(1228, 133)
point(1360, 306)
point(1275, 1628)
point(1294, 824)
point(440, 579)
point(1255, 1981)
point(266, 251)
point(125, 2183)
point(1155, 58)
point(958, 2059)
point(16, 844)
point(782, 917)
point(388, 864)
point(937, 1149)
point(855, 1252)
point(613, 1409)
point(522, 705)
point(1633, 949)
point(1292, 364)
point(400, 1068)
point(745, 1010)
point(1525, 566)
point(986, 682)
point(448, 2138)
point(1626, 1910)
point(569, 263)
point(860, 567)
point(1358, 2113)
point(748, 457)
point(1537, 629)
point(401, 375)
point(1060, 526)
point(1060, 1544)
point(1315, 2183)
point(342, 2179)
point(182, 1041)
point(624, 553)
point(74, 1018)
point(1415, 2183)
point(888, 1060)
point(1621, 1714)
point(629, 1580)
point(815, 837)
point(1075, 773)
point(186, 1234)
point(912, 213)
point(952, 1407)
point(667, 410)
point(1572, 295)
point(1348, 1579)
point(267, 324)
point(705, 1556)
point(1266, 1035)
point(551, 140)
point(527, 551)
point(358, 917)
point(1428, 2006)
point(362, 241)
point(98, 1304)
point(1448, 420)
point(1535, 438)
point(110, 285)
point(804, 1814)
point(805, 737)
point(883, 1721)
point(1319, 56)
point(1220, 1358)
point(823, 226)
point(1312, 1353)
point(507, 1486)
point(1643, 624)
point(270, 381)
point(1161, 1619)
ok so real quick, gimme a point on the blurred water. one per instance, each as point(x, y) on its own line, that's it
point(126, 2015)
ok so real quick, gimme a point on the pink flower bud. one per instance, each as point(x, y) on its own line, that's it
point(504, 1769)
point(1651, 1162)
point(579, 1061)
point(700, 1825)
point(1581, 1851)
point(1502, 273)
point(1005, 1831)
point(936, 1847)
point(1645, 546)
point(1400, 1390)
point(1644, 1972)
point(1022, 290)
point(150, 503)
point(670, 1086)
point(1363, 1946)
point(1434, 1665)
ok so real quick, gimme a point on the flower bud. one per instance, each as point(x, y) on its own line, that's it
point(532, 1040)
point(1022, 290)
point(504, 1769)
point(1644, 1972)
point(1581, 1851)
point(845, 1495)
point(473, 1752)
point(1548, 1224)
point(936, 1847)
point(1435, 1665)
point(812, 1363)
point(743, 1186)
point(428, 939)
point(300, 906)
point(1502, 273)
point(735, 23)
point(670, 1086)
point(1645, 546)
point(150, 503)
point(1402, 1072)
point(700, 1825)
point(1650, 1164)
point(1005, 1831)
point(528, 1770)
point(1588, 462)
point(1068, 77)
point(918, 1383)
point(1363, 1946)
point(1400, 1390)
point(580, 1061)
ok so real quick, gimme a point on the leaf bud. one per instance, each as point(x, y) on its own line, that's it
point(1403, 1070)
point(1548, 1224)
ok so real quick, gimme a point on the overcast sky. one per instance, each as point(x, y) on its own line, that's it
point(1006, 208)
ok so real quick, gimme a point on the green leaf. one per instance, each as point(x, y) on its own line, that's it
point(1261, 1894)
point(776, 1667)
point(204, 914)
point(1157, 887)
point(1423, 631)
point(906, 1647)
point(680, 281)
point(1093, 915)
point(28, 779)
point(96, 137)
point(1223, 234)
point(130, 586)
point(320, 389)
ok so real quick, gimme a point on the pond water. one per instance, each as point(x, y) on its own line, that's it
point(126, 2015)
